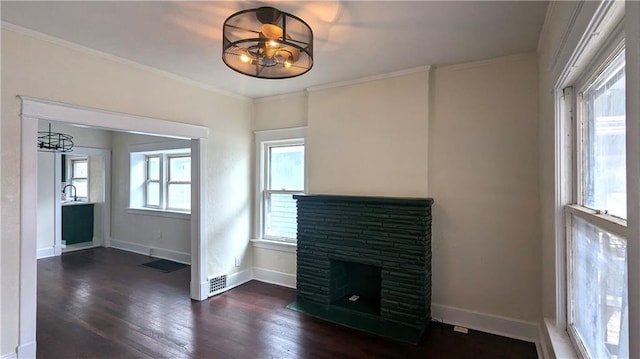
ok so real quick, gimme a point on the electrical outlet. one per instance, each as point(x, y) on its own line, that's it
point(238, 261)
point(460, 329)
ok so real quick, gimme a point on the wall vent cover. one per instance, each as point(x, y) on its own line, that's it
point(217, 284)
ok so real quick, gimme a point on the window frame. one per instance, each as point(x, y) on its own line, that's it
point(265, 140)
point(169, 182)
point(71, 160)
point(139, 179)
point(148, 181)
point(572, 124)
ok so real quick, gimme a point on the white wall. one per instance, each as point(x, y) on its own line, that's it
point(276, 112)
point(474, 150)
point(44, 69)
point(47, 185)
point(483, 176)
point(370, 138)
point(149, 231)
point(97, 193)
point(271, 113)
point(377, 128)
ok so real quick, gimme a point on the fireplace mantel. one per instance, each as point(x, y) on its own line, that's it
point(387, 238)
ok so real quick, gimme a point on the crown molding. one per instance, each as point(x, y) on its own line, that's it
point(120, 60)
point(545, 25)
point(370, 78)
point(280, 97)
point(495, 60)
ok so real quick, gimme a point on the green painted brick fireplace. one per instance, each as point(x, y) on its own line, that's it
point(376, 248)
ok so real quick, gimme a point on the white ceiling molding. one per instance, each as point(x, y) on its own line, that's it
point(545, 25)
point(370, 78)
point(501, 59)
point(280, 97)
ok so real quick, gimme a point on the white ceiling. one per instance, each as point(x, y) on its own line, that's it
point(353, 39)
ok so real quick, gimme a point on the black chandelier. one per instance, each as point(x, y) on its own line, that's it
point(54, 141)
point(267, 43)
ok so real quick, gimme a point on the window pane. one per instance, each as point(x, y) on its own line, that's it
point(599, 290)
point(81, 188)
point(281, 217)
point(80, 169)
point(153, 194)
point(286, 168)
point(180, 169)
point(604, 181)
point(153, 168)
point(179, 196)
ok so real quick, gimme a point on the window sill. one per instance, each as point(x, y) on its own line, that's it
point(560, 343)
point(160, 213)
point(275, 245)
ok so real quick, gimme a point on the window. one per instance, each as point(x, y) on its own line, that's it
point(79, 176)
point(281, 176)
point(179, 182)
point(597, 311)
point(161, 179)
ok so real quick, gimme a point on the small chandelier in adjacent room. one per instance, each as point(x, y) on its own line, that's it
point(267, 43)
point(54, 141)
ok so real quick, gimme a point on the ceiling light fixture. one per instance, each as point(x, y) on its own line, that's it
point(54, 141)
point(267, 43)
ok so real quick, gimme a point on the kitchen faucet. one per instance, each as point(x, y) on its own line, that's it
point(75, 191)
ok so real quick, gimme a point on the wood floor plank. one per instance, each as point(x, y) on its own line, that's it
point(101, 303)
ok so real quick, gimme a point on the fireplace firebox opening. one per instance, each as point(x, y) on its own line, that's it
point(355, 286)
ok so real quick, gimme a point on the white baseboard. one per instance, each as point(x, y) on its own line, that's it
point(503, 326)
point(80, 246)
point(199, 291)
point(175, 256)
point(9, 356)
point(274, 277)
point(26, 350)
point(162, 253)
point(233, 280)
point(239, 278)
point(44, 253)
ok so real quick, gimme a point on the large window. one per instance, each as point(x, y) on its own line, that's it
point(597, 311)
point(281, 176)
point(161, 180)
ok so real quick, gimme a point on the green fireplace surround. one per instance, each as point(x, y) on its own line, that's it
point(376, 248)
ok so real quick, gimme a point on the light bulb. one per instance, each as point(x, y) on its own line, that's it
point(244, 58)
point(273, 43)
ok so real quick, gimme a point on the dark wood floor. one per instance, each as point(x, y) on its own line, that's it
point(101, 303)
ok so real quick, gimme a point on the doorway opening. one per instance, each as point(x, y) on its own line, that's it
point(34, 110)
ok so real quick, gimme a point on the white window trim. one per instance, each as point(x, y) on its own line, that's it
point(177, 148)
point(147, 181)
point(265, 139)
point(281, 246)
point(159, 213)
point(71, 172)
point(589, 52)
point(168, 182)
